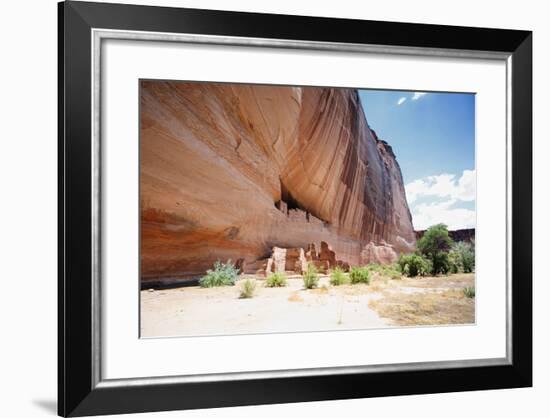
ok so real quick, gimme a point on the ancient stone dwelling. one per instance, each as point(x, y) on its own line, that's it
point(296, 260)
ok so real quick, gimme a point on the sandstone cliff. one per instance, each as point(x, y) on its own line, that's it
point(231, 171)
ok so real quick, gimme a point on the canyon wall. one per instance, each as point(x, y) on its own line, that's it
point(468, 234)
point(230, 171)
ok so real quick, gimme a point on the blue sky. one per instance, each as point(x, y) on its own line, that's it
point(433, 137)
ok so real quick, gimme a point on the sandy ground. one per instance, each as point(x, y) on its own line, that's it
point(193, 311)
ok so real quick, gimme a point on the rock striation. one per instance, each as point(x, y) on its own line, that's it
point(231, 171)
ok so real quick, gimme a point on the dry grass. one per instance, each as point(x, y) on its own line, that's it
point(323, 290)
point(295, 297)
point(454, 281)
point(426, 308)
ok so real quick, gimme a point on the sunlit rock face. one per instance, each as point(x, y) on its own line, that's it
point(230, 171)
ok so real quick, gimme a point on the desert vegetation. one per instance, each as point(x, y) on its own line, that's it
point(338, 277)
point(310, 277)
point(223, 274)
point(437, 254)
point(359, 275)
point(413, 265)
point(426, 308)
point(469, 292)
point(434, 285)
point(248, 287)
point(276, 280)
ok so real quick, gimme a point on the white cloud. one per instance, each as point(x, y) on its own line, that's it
point(401, 100)
point(444, 186)
point(428, 214)
point(445, 190)
point(417, 95)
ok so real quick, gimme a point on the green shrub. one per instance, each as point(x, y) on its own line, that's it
point(469, 292)
point(338, 277)
point(440, 263)
point(223, 274)
point(394, 273)
point(276, 280)
point(359, 275)
point(413, 265)
point(455, 263)
point(464, 253)
point(310, 277)
point(390, 271)
point(248, 287)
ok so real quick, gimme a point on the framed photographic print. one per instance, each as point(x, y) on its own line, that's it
point(265, 208)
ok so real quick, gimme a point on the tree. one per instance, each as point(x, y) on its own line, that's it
point(435, 245)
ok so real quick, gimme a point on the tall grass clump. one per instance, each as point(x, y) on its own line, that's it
point(337, 277)
point(248, 287)
point(310, 277)
point(359, 275)
point(469, 292)
point(223, 274)
point(276, 280)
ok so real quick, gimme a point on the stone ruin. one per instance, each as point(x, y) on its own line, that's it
point(296, 260)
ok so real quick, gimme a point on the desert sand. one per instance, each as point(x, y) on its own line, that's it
point(195, 311)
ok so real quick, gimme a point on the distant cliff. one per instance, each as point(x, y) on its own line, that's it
point(231, 171)
point(457, 236)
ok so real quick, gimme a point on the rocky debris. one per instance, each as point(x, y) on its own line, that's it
point(257, 166)
point(378, 254)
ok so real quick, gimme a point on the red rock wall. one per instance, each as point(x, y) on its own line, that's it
point(218, 159)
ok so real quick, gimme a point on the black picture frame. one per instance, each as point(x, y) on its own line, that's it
point(79, 395)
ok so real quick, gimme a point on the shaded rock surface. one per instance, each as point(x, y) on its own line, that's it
point(230, 171)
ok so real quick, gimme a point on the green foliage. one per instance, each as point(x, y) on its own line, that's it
point(276, 280)
point(464, 253)
point(394, 273)
point(391, 271)
point(440, 263)
point(223, 274)
point(338, 277)
point(434, 245)
point(248, 287)
point(413, 265)
point(455, 263)
point(469, 292)
point(359, 275)
point(310, 277)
